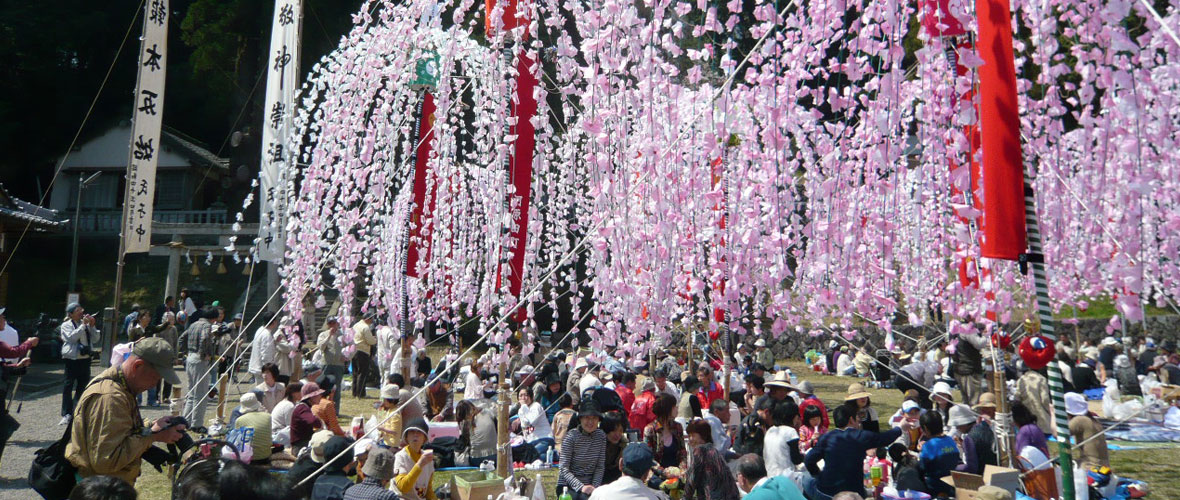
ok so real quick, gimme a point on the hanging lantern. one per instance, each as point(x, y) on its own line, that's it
point(195, 271)
point(1037, 351)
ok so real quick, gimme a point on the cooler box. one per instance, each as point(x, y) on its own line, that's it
point(476, 485)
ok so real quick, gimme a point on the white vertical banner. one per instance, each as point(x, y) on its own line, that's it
point(145, 131)
point(281, 84)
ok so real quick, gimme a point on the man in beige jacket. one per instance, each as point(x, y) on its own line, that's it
point(108, 436)
point(364, 339)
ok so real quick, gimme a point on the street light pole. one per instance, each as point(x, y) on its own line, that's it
point(82, 183)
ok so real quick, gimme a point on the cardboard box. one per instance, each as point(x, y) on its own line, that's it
point(967, 485)
point(476, 485)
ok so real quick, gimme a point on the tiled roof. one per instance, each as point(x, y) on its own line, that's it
point(37, 218)
point(193, 149)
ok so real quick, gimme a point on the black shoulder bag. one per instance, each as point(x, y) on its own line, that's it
point(51, 474)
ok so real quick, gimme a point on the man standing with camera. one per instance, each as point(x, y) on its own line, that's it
point(108, 436)
point(78, 336)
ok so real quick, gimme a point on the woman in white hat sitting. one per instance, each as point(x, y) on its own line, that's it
point(943, 400)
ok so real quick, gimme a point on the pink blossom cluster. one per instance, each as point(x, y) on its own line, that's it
point(805, 183)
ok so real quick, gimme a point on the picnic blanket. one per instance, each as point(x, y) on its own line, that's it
point(1142, 432)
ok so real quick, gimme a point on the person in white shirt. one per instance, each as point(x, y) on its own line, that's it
point(386, 342)
point(534, 423)
point(473, 385)
point(780, 447)
point(664, 386)
point(280, 416)
point(187, 306)
point(845, 365)
point(263, 349)
point(636, 463)
point(397, 364)
point(8, 335)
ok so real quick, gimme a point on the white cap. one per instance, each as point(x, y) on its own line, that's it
point(909, 405)
point(759, 343)
point(362, 447)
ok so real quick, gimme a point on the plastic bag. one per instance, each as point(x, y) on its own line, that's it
point(1124, 411)
point(1111, 397)
point(1172, 418)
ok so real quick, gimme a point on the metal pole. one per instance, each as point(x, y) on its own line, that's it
point(77, 220)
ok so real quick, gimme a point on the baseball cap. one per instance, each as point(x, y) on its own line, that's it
point(159, 354)
point(638, 458)
point(909, 406)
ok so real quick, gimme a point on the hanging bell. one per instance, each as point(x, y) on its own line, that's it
point(221, 267)
point(195, 271)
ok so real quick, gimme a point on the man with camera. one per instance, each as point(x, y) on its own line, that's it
point(78, 336)
point(108, 436)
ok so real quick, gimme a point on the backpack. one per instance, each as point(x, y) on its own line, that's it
point(608, 400)
point(50, 474)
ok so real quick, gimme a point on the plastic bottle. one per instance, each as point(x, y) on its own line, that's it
point(791, 375)
point(550, 456)
point(565, 496)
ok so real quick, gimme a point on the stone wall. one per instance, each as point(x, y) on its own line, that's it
point(1160, 328)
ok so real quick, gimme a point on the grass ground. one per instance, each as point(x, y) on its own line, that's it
point(1155, 466)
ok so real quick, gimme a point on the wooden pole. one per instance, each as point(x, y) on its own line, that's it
point(503, 452)
point(999, 390)
point(407, 346)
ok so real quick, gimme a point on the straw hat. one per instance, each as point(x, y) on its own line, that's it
point(781, 379)
point(857, 391)
point(986, 400)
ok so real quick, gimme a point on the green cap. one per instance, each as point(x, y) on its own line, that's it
point(158, 353)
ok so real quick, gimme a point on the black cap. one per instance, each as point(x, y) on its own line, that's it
point(552, 378)
point(589, 408)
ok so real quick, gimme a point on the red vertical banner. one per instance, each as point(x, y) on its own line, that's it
point(521, 171)
point(718, 181)
point(1004, 233)
point(520, 168)
point(420, 213)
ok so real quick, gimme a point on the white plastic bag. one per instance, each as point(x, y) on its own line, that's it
point(1124, 411)
point(1172, 418)
point(1081, 487)
point(1110, 398)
